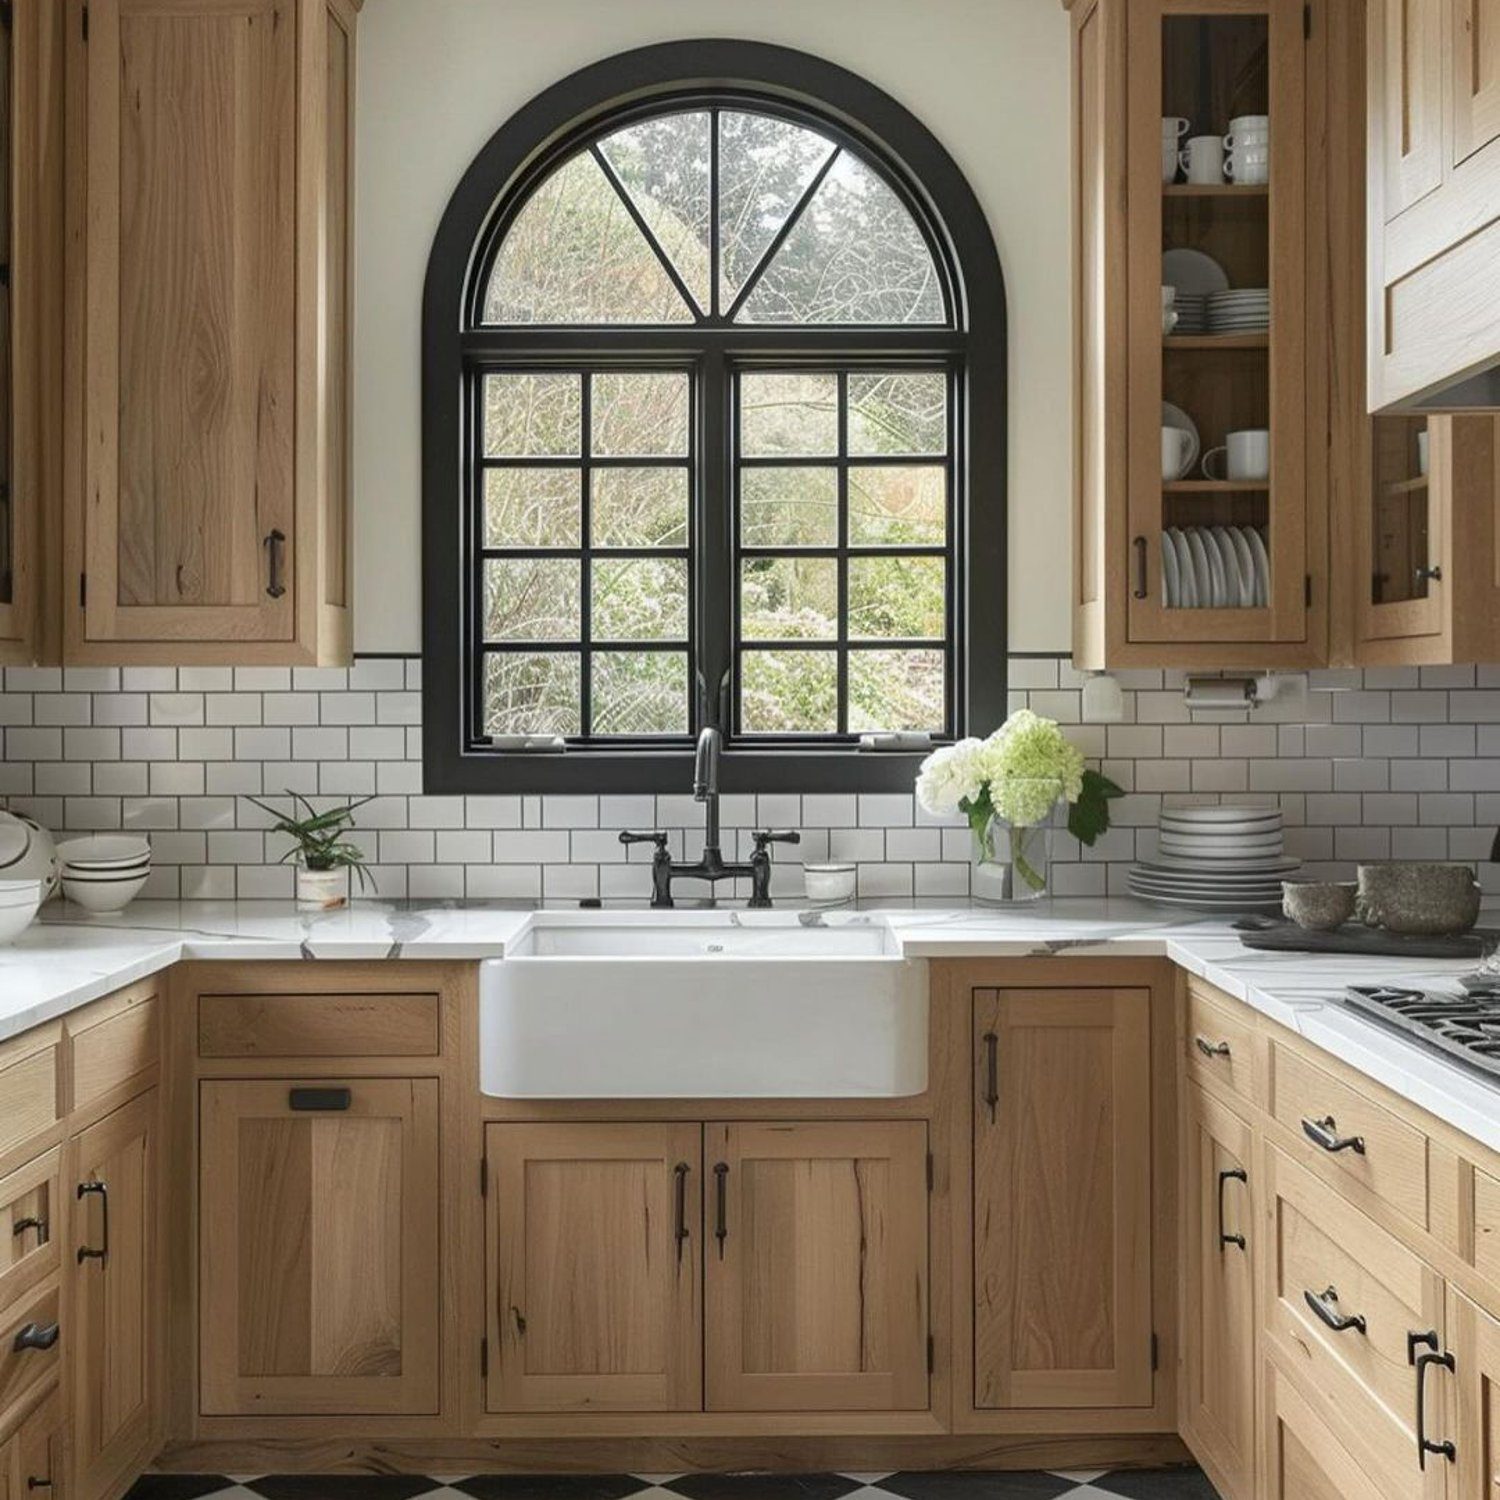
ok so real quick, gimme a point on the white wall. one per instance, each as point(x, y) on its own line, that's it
point(438, 77)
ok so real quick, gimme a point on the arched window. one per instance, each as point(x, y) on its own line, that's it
point(714, 416)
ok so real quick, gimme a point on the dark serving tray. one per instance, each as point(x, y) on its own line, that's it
point(1354, 937)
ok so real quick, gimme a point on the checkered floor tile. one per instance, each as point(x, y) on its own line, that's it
point(1123, 1484)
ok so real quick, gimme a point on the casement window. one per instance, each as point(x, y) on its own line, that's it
point(714, 414)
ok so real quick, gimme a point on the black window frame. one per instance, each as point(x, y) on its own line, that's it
point(458, 348)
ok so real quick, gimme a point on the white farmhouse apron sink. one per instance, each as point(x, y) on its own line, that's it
point(702, 1005)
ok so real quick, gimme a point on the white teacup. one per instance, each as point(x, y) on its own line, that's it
point(1203, 159)
point(1243, 125)
point(1174, 127)
point(1247, 456)
point(1249, 166)
point(1176, 452)
point(1168, 160)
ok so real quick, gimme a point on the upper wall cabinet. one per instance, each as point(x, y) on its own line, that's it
point(1433, 206)
point(208, 506)
point(1202, 240)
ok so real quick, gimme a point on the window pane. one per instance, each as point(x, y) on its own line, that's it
point(536, 693)
point(575, 255)
point(664, 166)
point(789, 598)
point(640, 508)
point(854, 256)
point(789, 507)
point(789, 692)
point(898, 414)
point(898, 506)
point(640, 416)
point(765, 165)
point(789, 415)
point(896, 598)
point(640, 692)
point(640, 599)
point(531, 599)
point(532, 416)
point(896, 690)
point(532, 507)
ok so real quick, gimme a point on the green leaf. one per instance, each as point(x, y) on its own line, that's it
point(1088, 817)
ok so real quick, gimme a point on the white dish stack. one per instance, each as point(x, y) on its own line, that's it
point(1218, 859)
point(105, 873)
point(19, 900)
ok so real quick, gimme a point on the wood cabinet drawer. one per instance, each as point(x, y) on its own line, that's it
point(28, 1086)
point(1343, 1298)
point(319, 1025)
point(1304, 1461)
point(1335, 1123)
point(30, 1350)
point(1220, 1044)
point(30, 1224)
point(113, 1042)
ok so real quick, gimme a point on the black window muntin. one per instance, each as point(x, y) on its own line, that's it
point(579, 111)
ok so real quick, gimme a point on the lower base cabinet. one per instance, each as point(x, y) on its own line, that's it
point(1303, 1460)
point(1219, 1249)
point(1473, 1410)
point(34, 1463)
point(727, 1267)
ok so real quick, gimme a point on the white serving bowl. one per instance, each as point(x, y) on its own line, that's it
point(40, 861)
point(103, 893)
point(827, 884)
point(105, 852)
point(19, 900)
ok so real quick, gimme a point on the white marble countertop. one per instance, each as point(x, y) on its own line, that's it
point(68, 958)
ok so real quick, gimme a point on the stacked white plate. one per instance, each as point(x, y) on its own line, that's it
point(1192, 312)
point(1215, 567)
point(104, 873)
point(1244, 310)
point(1218, 859)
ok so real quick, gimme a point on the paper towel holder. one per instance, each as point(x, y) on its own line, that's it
point(1229, 693)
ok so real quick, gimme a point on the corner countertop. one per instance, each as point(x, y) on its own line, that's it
point(68, 958)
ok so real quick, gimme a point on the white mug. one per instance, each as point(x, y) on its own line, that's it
point(1168, 160)
point(1203, 160)
point(1176, 452)
point(1246, 125)
point(1422, 453)
point(1247, 456)
point(1248, 167)
point(1174, 127)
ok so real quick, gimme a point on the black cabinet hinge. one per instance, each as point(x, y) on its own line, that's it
point(931, 1354)
point(85, 23)
point(1307, 22)
point(83, 590)
point(484, 1177)
point(484, 1359)
point(931, 1171)
point(1155, 1352)
point(1307, 590)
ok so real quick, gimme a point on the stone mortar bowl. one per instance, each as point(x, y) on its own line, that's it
point(1419, 898)
point(1317, 905)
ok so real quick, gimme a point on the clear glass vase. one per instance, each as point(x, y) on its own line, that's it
point(1013, 860)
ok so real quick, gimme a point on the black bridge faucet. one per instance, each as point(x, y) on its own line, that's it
point(711, 865)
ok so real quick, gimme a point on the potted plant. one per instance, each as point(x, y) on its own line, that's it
point(1009, 787)
point(323, 855)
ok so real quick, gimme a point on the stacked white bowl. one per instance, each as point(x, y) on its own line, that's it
point(1221, 859)
point(19, 900)
point(27, 852)
point(104, 873)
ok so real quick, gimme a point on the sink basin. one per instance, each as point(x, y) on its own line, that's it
point(714, 1005)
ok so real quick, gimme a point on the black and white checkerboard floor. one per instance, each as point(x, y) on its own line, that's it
point(1131, 1484)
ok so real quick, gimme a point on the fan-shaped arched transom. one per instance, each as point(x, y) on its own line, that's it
point(714, 215)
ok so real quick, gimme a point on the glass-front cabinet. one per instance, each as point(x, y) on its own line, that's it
point(1200, 316)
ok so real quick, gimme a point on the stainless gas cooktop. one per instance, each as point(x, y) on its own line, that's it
point(1466, 1027)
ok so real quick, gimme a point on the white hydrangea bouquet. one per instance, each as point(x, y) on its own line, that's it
point(1013, 781)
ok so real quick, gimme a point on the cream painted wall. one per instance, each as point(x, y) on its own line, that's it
point(438, 77)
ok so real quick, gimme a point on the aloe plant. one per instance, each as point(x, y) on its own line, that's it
point(319, 841)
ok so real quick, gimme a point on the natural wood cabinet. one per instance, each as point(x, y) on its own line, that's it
point(112, 1333)
point(1468, 1412)
point(1219, 1239)
point(594, 1259)
point(1062, 1198)
point(208, 507)
point(1433, 203)
point(817, 1275)
point(1141, 524)
point(38, 1454)
point(318, 1244)
point(1303, 1460)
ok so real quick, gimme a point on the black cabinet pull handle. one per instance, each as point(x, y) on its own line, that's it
point(34, 1336)
point(1142, 588)
point(316, 1100)
point(1423, 575)
point(1233, 1174)
point(1325, 1305)
point(101, 1191)
point(274, 543)
point(680, 1233)
point(22, 1225)
point(1211, 1049)
point(721, 1205)
point(1425, 1445)
point(1325, 1133)
point(33, 1482)
point(991, 1072)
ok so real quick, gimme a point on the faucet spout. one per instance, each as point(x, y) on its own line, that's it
point(706, 764)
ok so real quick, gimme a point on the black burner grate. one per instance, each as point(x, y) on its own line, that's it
point(1464, 1026)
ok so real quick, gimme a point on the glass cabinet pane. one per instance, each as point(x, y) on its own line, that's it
point(1400, 536)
